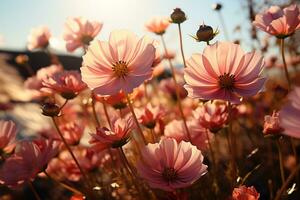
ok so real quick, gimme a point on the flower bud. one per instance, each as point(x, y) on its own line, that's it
point(205, 33)
point(178, 16)
point(50, 109)
point(217, 6)
point(68, 95)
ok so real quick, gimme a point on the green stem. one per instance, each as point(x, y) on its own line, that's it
point(135, 119)
point(284, 64)
point(177, 90)
point(181, 45)
point(68, 187)
point(70, 150)
point(36, 195)
point(106, 115)
point(280, 162)
point(95, 113)
point(287, 182)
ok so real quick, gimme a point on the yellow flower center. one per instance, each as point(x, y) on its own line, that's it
point(227, 81)
point(120, 68)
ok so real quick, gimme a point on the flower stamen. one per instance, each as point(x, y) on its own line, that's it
point(227, 81)
point(120, 68)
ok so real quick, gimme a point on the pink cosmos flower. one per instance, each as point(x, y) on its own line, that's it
point(289, 116)
point(272, 124)
point(158, 25)
point(175, 129)
point(169, 165)
point(67, 83)
point(278, 22)
point(149, 115)
point(123, 63)
point(8, 131)
point(245, 193)
point(212, 115)
point(118, 100)
point(224, 72)
point(72, 132)
point(30, 158)
point(117, 137)
point(79, 32)
point(34, 83)
point(38, 38)
point(169, 87)
point(64, 168)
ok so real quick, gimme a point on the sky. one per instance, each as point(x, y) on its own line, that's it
point(17, 17)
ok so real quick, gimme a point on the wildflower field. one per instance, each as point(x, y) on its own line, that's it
point(124, 116)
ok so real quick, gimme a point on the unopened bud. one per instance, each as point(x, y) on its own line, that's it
point(217, 6)
point(178, 16)
point(205, 33)
point(50, 109)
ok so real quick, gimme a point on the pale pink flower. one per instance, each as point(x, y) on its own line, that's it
point(168, 86)
point(245, 193)
point(272, 124)
point(279, 22)
point(158, 25)
point(118, 100)
point(289, 116)
point(30, 158)
point(8, 131)
point(117, 137)
point(224, 72)
point(67, 83)
point(34, 83)
point(150, 115)
point(64, 168)
point(199, 135)
point(72, 132)
point(38, 38)
point(123, 63)
point(212, 115)
point(169, 165)
point(79, 32)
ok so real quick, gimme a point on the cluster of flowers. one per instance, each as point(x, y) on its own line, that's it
point(147, 136)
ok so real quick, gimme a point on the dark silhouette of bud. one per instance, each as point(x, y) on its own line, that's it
point(68, 95)
point(50, 109)
point(217, 6)
point(205, 34)
point(178, 16)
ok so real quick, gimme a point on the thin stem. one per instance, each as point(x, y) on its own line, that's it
point(129, 169)
point(68, 187)
point(177, 90)
point(125, 161)
point(214, 165)
point(95, 113)
point(280, 162)
point(106, 114)
point(135, 119)
point(70, 151)
point(36, 195)
point(287, 182)
point(181, 45)
point(231, 139)
point(284, 64)
point(65, 103)
point(249, 174)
